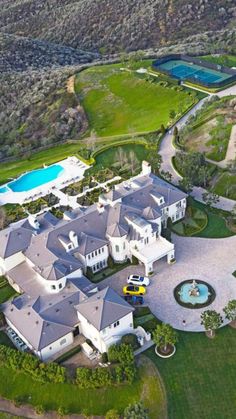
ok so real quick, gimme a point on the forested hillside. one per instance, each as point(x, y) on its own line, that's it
point(111, 25)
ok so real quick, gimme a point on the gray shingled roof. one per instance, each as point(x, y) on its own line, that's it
point(44, 319)
point(117, 230)
point(14, 240)
point(89, 243)
point(104, 308)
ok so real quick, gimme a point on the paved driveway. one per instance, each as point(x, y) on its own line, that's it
point(212, 260)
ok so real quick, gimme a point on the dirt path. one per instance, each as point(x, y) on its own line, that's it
point(71, 84)
point(26, 411)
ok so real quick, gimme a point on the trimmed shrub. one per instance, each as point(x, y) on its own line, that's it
point(130, 339)
point(104, 357)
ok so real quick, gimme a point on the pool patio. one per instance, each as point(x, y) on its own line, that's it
point(73, 171)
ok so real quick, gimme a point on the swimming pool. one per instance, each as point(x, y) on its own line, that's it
point(33, 179)
point(187, 70)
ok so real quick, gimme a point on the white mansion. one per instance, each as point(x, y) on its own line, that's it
point(46, 260)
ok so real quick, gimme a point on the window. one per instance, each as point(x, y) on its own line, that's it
point(99, 251)
point(62, 342)
point(104, 263)
point(102, 249)
point(50, 348)
point(124, 245)
point(117, 248)
point(97, 265)
point(93, 268)
point(60, 286)
point(96, 253)
point(89, 256)
point(116, 324)
point(53, 287)
point(92, 254)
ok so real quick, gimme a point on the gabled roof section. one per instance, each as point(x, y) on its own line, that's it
point(14, 241)
point(117, 230)
point(104, 308)
point(112, 195)
point(150, 213)
point(88, 244)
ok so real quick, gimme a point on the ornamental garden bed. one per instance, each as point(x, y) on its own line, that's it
point(165, 353)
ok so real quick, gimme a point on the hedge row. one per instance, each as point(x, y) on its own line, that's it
point(21, 361)
point(124, 370)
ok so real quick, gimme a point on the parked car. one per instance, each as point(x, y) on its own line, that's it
point(134, 290)
point(138, 280)
point(134, 299)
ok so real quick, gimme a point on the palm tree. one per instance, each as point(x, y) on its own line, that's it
point(163, 336)
point(211, 320)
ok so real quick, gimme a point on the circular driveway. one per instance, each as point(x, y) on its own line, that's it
point(210, 260)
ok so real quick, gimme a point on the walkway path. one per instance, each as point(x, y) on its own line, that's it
point(210, 260)
point(168, 151)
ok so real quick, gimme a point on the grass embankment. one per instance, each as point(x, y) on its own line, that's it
point(200, 379)
point(226, 60)
point(147, 387)
point(123, 102)
point(210, 130)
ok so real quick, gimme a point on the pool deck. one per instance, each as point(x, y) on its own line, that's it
point(73, 172)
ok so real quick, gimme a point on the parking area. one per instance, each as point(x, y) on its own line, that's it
point(210, 260)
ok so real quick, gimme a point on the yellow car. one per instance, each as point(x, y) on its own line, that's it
point(134, 290)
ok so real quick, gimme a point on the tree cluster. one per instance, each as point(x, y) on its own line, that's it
point(21, 361)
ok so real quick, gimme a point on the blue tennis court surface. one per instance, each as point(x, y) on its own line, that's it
point(184, 70)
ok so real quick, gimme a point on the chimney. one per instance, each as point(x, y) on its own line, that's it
point(100, 207)
point(74, 239)
point(33, 222)
point(146, 168)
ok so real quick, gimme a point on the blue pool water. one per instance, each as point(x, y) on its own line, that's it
point(184, 70)
point(186, 298)
point(34, 179)
point(3, 189)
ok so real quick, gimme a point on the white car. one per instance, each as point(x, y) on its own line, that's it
point(138, 280)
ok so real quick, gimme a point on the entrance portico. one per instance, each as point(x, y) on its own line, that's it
point(153, 252)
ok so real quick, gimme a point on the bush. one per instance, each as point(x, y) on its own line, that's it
point(40, 410)
point(112, 414)
point(130, 339)
point(136, 411)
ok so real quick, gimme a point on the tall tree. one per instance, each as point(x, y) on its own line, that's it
point(164, 335)
point(210, 198)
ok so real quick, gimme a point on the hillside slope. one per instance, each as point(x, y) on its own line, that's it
point(111, 25)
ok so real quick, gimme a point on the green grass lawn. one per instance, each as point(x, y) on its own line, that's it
point(216, 227)
point(226, 60)
point(16, 385)
point(121, 102)
point(226, 185)
point(6, 292)
point(200, 379)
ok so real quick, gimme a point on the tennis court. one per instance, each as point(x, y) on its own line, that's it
point(184, 70)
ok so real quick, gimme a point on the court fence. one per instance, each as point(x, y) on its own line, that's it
point(198, 61)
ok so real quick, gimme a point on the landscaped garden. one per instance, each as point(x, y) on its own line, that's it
point(25, 380)
point(119, 102)
point(203, 221)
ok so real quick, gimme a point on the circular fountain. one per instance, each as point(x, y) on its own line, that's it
point(193, 293)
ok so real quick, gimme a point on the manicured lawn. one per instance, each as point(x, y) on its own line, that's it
point(121, 102)
point(216, 227)
point(15, 385)
point(200, 379)
point(225, 60)
point(194, 222)
point(6, 292)
point(226, 185)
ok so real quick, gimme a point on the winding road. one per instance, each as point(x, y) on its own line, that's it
point(168, 151)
